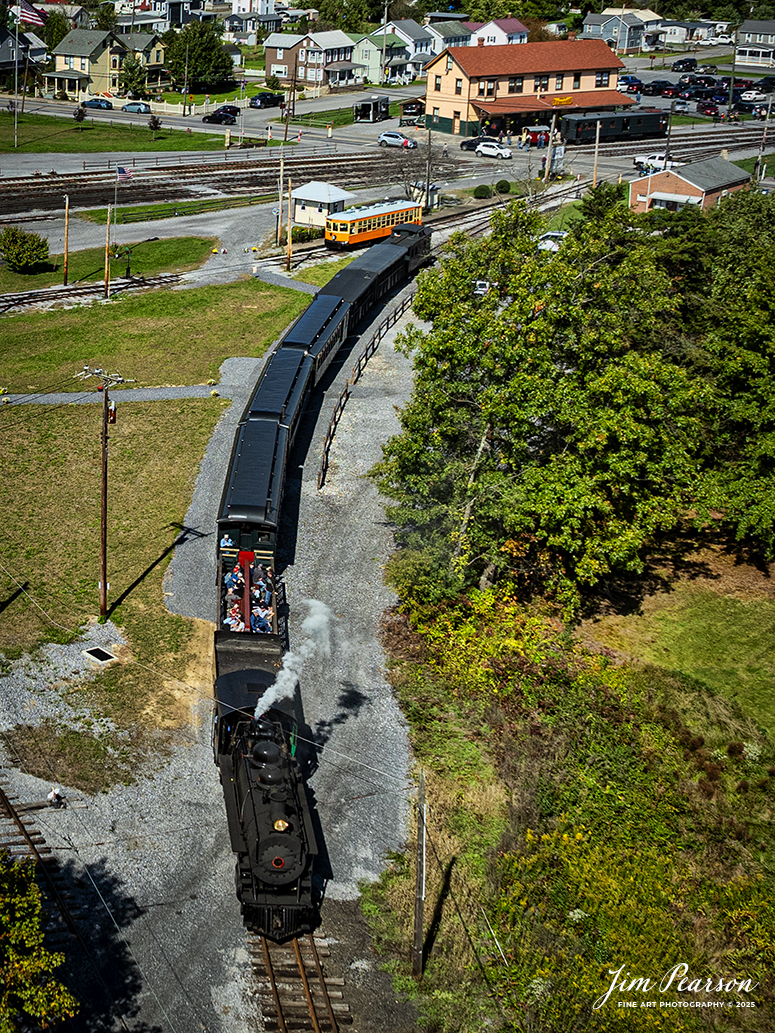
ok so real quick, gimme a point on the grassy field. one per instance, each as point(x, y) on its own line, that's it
point(173, 254)
point(161, 337)
point(749, 164)
point(322, 272)
point(149, 212)
point(42, 134)
point(714, 628)
point(50, 544)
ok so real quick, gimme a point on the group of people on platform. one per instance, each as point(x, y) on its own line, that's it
point(260, 585)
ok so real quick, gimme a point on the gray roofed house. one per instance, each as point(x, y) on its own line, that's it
point(701, 184)
point(448, 34)
point(756, 44)
point(623, 32)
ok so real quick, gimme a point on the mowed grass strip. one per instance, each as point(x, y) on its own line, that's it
point(50, 544)
point(719, 636)
point(320, 274)
point(45, 134)
point(173, 254)
point(159, 337)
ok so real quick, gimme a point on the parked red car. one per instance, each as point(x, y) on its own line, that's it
point(707, 107)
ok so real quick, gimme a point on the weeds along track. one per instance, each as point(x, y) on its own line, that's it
point(293, 991)
point(186, 182)
point(84, 290)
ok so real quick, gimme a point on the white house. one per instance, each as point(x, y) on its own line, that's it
point(497, 33)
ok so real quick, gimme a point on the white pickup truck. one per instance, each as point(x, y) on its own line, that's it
point(656, 162)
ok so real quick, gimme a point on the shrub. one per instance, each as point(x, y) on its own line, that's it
point(483, 191)
point(502, 186)
point(273, 83)
point(22, 251)
point(79, 115)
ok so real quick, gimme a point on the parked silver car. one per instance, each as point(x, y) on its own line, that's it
point(392, 138)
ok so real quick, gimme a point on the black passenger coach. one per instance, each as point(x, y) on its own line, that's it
point(581, 126)
point(267, 806)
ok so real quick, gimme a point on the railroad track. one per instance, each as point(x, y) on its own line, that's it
point(83, 290)
point(294, 992)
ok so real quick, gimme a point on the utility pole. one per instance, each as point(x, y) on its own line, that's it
point(107, 257)
point(597, 151)
point(108, 416)
point(669, 132)
point(67, 234)
point(280, 201)
point(428, 174)
point(384, 42)
point(419, 894)
point(290, 227)
point(185, 82)
point(550, 149)
point(757, 172)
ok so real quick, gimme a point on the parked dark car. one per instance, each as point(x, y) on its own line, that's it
point(707, 107)
point(267, 100)
point(221, 118)
point(472, 142)
point(654, 88)
point(671, 91)
point(767, 84)
point(97, 102)
point(686, 64)
point(228, 109)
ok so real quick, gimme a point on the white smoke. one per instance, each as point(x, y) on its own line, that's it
point(315, 641)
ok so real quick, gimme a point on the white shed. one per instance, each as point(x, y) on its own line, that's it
point(313, 202)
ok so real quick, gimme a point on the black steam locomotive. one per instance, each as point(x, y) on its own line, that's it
point(267, 803)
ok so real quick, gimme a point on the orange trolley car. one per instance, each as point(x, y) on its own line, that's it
point(368, 223)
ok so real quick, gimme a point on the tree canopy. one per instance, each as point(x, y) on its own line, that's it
point(28, 991)
point(208, 62)
point(591, 401)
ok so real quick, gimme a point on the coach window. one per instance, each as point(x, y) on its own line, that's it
point(577, 80)
point(602, 79)
point(437, 83)
point(516, 84)
point(459, 87)
point(541, 82)
point(558, 82)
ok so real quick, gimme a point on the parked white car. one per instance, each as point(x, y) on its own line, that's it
point(493, 149)
point(755, 95)
point(551, 241)
point(658, 162)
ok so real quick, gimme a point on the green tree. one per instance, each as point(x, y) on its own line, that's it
point(106, 18)
point(600, 201)
point(79, 117)
point(547, 439)
point(55, 29)
point(28, 991)
point(208, 62)
point(133, 77)
point(348, 15)
point(154, 124)
point(22, 251)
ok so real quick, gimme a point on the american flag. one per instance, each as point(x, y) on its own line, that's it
point(29, 15)
point(123, 175)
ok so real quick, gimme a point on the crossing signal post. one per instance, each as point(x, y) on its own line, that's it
point(108, 417)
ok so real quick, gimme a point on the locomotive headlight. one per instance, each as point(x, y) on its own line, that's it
point(281, 825)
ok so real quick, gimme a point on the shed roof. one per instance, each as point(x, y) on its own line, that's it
point(713, 174)
point(320, 193)
point(535, 58)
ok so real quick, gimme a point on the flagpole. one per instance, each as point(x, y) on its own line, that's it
point(115, 202)
point(16, 83)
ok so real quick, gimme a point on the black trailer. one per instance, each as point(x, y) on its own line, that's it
point(581, 126)
point(375, 109)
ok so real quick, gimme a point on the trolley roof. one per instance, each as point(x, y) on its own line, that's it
point(369, 211)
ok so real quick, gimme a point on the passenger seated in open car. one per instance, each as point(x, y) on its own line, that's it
point(259, 620)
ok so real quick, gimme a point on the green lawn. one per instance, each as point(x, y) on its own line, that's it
point(159, 337)
point(51, 543)
point(322, 272)
point(173, 254)
point(748, 164)
point(216, 96)
point(42, 134)
point(718, 634)
point(148, 212)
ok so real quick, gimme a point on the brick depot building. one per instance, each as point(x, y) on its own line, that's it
point(701, 184)
point(502, 89)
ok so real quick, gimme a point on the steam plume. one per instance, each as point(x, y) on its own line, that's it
point(315, 641)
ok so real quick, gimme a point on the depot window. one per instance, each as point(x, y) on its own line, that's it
point(602, 79)
point(577, 81)
point(558, 82)
point(435, 114)
point(459, 87)
point(516, 84)
point(437, 83)
point(541, 82)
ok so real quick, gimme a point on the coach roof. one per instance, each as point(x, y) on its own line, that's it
point(535, 58)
